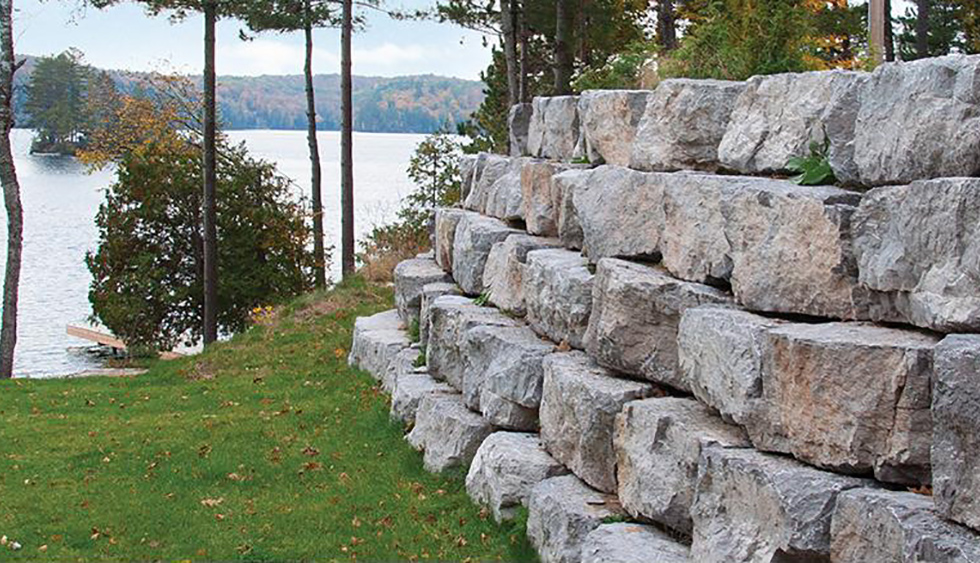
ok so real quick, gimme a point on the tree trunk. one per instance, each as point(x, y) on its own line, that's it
point(922, 28)
point(210, 179)
point(11, 194)
point(565, 20)
point(524, 94)
point(509, 31)
point(347, 145)
point(666, 26)
point(889, 33)
point(319, 254)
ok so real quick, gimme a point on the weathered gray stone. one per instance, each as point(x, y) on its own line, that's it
point(621, 213)
point(720, 357)
point(752, 507)
point(579, 404)
point(448, 432)
point(542, 200)
point(409, 391)
point(658, 446)
point(554, 129)
point(507, 414)
point(467, 171)
point(609, 119)
point(919, 120)
point(503, 276)
point(505, 358)
point(431, 292)
point(683, 124)
point(563, 186)
point(401, 365)
point(922, 242)
point(410, 277)
point(956, 429)
point(853, 397)
point(561, 513)
point(636, 310)
point(558, 295)
point(632, 543)
point(506, 467)
point(447, 219)
point(496, 190)
point(377, 340)
point(475, 236)
point(778, 116)
point(519, 121)
point(892, 527)
point(450, 317)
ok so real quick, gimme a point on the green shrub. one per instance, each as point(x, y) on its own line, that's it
point(813, 169)
point(619, 71)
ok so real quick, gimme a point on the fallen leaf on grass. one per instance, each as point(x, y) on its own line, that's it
point(212, 502)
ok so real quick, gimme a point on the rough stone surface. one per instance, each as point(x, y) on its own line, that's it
point(636, 311)
point(778, 116)
point(632, 543)
point(448, 432)
point(503, 275)
point(519, 121)
point(558, 295)
point(450, 317)
point(760, 508)
point(919, 120)
point(579, 404)
point(542, 200)
point(377, 340)
point(554, 129)
point(506, 467)
point(885, 526)
point(658, 446)
point(683, 124)
point(561, 513)
point(609, 119)
point(853, 397)
point(922, 242)
point(507, 414)
point(467, 170)
point(447, 219)
point(401, 365)
point(410, 277)
point(720, 357)
point(956, 435)
point(475, 236)
point(496, 190)
point(409, 391)
point(430, 293)
point(563, 186)
point(621, 213)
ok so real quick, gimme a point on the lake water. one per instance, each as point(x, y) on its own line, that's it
point(61, 199)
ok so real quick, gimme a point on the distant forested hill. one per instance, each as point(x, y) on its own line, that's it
point(405, 104)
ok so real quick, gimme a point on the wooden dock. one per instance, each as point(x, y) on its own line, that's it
point(109, 341)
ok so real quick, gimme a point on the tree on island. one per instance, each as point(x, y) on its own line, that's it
point(11, 193)
point(56, 103)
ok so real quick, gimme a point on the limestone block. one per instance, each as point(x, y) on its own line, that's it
point(377, 340)
point(448, 432)
point(503, 275)
point(475, 236)
point(609, 119)
point(632, 543)
point(563, 187)
point(447, 219)
point(450, 317)
point(558, 295)
point(431, 292)
point(554, 129)
point(409, 391)
point(401, 365)
point(542, 200)
point(519, 121)
point(561, 513)
point(410, 277)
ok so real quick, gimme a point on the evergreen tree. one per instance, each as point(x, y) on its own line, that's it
point(56, 102)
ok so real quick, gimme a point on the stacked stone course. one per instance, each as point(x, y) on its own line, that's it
point(666, 355)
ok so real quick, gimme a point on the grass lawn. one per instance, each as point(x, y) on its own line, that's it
point(264, 448)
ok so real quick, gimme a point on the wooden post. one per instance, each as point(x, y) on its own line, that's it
point(876, 17)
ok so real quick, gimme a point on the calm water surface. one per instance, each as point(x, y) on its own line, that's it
point(61, 199)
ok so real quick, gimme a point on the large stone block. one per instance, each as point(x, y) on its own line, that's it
point(558, 295)
point(430, 293)
point(401, 365)
point(658, 447)
point(554, 129)
point(922, 243)
point(683, 124)
point(561, 513)
point(542, 200)
point(506, 467)
point(563, 186)
point(893, 527)
point(409, 391)
point(503, 275)
point(919, 120)
point(956, 429)
point(632, 543)
point(609, 119)
point(410, 277)
point(377, 340)
point(579, 404)
point(447, 219)
point(475, 236)
point(450, 317)
point(636, 311)
point(519, 121)
point(778, 116)
point(752, 507)
point(853, 397)
point(496, 190)
point(448, 432)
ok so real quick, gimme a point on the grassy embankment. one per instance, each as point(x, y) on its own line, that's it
point(264, 448)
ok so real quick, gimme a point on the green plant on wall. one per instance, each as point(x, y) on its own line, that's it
point(813, 169)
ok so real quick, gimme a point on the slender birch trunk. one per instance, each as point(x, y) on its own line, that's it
point(11, 194)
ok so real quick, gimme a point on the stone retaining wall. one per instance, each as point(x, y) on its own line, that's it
point(665, 358)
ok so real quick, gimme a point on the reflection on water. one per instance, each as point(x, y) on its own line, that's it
point(61, 199)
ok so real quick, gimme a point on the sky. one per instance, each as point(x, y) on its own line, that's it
point(124, 38)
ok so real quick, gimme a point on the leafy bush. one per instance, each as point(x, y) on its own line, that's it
point(619, 71)
point(813, 169)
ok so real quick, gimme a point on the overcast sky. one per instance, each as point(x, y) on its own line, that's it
point(123, 37)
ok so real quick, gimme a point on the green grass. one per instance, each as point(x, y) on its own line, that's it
point(264, 448)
